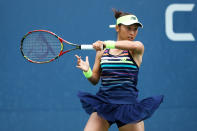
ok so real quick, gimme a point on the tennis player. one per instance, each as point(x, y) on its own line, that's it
point(117, 65)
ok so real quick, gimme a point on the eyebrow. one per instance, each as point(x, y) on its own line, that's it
point(134, 25)
point(130, 26)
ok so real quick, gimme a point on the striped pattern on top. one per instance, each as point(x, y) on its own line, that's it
point(119, 73)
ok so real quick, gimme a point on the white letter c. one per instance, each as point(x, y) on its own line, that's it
point(169, 22)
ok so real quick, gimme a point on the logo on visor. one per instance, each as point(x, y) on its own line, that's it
point(133, 18)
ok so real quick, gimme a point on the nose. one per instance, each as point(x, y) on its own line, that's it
point(131, 32)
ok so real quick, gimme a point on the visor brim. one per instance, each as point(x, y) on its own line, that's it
point(132, 23)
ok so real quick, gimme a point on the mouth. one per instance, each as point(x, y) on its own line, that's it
point(130, 38)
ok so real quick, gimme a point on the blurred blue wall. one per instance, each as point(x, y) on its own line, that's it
point(36, 97)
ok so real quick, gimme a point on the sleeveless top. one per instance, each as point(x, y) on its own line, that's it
point(119, 77)
point(116, 101)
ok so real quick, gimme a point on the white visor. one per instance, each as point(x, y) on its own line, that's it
point(128, 20)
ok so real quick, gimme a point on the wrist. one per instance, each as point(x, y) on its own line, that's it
point(88, 74)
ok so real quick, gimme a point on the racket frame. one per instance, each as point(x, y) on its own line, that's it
point(61, 43)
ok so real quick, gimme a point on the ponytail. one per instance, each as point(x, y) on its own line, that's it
point(118, 13)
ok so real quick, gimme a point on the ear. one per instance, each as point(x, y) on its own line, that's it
point(117, 28)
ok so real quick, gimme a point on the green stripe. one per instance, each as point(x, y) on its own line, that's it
point(118, 66)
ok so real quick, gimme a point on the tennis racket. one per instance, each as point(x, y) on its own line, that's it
point(42, 46)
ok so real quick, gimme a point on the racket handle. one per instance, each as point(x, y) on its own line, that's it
point(87, 47)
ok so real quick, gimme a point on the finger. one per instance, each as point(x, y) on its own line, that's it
point(77, 56)
point(94, 45)
point(80, 68)
point(78, 59)
point(102, 46)
point(87, 59)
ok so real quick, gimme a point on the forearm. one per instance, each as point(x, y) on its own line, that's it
point(127, 45)
point(94, 79)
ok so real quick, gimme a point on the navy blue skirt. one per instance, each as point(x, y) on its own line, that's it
point(125, 113)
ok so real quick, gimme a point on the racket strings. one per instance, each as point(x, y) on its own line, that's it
point(41, 46)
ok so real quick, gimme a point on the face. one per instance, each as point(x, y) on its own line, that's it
point(127, 32)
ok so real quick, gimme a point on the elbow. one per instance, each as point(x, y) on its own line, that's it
point(95, 79)
point(94, 83)
point(138, 46)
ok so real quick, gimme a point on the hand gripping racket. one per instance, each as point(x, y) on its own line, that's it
point(42, 46)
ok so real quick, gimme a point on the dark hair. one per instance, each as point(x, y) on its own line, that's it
point(118, 13)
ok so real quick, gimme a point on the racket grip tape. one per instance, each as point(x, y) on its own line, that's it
point(86, 47)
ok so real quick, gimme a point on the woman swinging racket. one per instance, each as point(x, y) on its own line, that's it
point(117, 65)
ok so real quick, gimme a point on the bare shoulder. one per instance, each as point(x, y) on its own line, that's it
point(138, 53)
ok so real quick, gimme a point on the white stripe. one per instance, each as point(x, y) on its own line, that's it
point(116, 62)
point(105, 58)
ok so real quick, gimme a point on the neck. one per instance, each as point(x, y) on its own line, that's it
point(118, 38)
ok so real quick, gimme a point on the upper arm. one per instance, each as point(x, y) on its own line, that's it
point(96, 67)
point(137, 53)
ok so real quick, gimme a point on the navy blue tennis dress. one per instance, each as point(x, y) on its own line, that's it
point(117, 99)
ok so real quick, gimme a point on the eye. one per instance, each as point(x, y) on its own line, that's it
point(135, 29)
point(128, 28)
